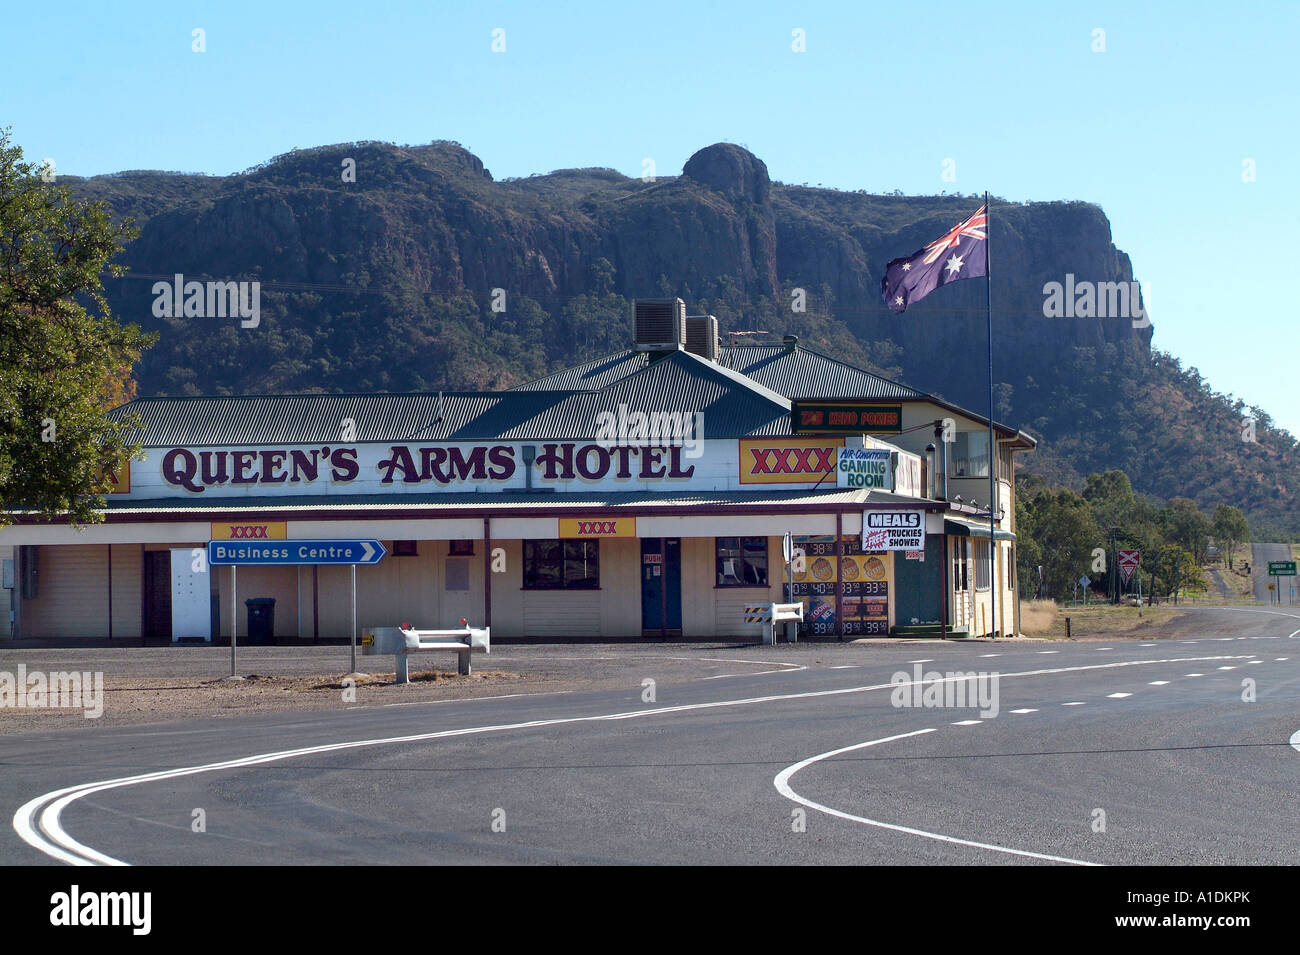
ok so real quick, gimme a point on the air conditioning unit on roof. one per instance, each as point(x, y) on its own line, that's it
point(702, 336)
point(659, 324)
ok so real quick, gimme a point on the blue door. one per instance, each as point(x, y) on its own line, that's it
point(661, 586)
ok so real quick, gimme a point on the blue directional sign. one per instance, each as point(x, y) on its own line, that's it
point(225, 553)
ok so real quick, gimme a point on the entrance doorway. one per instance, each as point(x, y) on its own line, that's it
point(661, 586)
point(158, 595)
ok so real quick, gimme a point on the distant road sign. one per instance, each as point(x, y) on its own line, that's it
point(1128, 562)
point(287, 552)
point(1084, 581)
point(1281, 568)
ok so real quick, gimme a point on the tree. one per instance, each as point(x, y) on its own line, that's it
point(1229, 528)
point(1187, 527)
point(64, 360)
point(1065, 529)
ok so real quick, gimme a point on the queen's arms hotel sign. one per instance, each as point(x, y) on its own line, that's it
point(200, 473)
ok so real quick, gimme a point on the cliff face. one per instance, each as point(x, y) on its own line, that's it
point(379, 265)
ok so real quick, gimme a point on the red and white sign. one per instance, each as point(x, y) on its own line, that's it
point(1128, 563)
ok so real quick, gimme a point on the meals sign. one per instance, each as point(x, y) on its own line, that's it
point(893, 530)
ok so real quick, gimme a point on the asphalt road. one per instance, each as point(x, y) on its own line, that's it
point(1260, 555)
point(1125, 752)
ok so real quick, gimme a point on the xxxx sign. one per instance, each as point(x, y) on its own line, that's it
point(578, 527)
point(250, 531)
point(788, 460)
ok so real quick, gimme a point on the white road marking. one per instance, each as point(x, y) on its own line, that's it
point(48, 836)
point(987, 655)
point(920, 661)
point(1295, 740)
point(1105, 648)
point(1196, 674)
point(846, 666)
point(1118, 696)
point(782, 784)
point(1077, 703)
point(967, 722)
point(1146, 644)
point(1227, 668)
point(1158, 683)
point(1049, 651)
point(1024, 711)
point(1280, 659)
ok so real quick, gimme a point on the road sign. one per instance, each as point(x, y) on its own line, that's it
point(1281, 568)
point(1084, 581)
point(1128, 562)
point(288, 552)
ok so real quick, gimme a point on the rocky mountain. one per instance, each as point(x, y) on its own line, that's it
point(410, 268)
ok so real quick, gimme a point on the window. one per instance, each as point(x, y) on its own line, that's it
point(460, 549)
point(741, 561)
point(982, 552)
point(970, 454)
point(959, 579)
point(405, 549)
point(561, 565)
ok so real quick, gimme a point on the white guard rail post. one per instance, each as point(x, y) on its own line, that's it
point(402, 641)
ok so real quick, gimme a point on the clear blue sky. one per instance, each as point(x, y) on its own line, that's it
point(1155, 129)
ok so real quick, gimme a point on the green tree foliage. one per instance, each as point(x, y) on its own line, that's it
point(1230, 529)
point(64, 360)
point(1066, 532)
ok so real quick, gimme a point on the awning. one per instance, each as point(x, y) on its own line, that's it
point(958, 527)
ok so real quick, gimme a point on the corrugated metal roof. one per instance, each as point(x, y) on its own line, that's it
point(732, 405)
point(590, 375)
point(800, 373)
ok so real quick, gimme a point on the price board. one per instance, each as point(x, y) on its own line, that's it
point(861, 580)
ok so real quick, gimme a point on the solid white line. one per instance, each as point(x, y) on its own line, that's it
point(846, 666)
point(987, 655)
point(782, 784)
point(1146, 644)
point(49, 837)
point(920, 661)
point(1049, 651)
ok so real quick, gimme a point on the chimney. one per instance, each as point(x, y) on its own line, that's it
point(702, 336)
point(658, 324)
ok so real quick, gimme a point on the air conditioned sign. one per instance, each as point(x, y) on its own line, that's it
point(864, 467)
point(788, 460)
point(893, 530)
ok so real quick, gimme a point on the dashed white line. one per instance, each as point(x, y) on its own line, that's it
point(1075, 703)
point(1024, 711)
point(967, 722)
point(985, 656)
point(1196, 674)
point(1049, 651)
point(1118, 696)
point(1158, 683)
point(1227, 668)
point(920, 661)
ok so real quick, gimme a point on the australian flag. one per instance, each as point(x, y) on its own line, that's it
point(961, 254)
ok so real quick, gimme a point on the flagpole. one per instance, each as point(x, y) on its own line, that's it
point(993, 457)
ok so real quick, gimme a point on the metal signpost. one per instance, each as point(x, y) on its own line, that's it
point(1280, 568)
point(284, 553)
